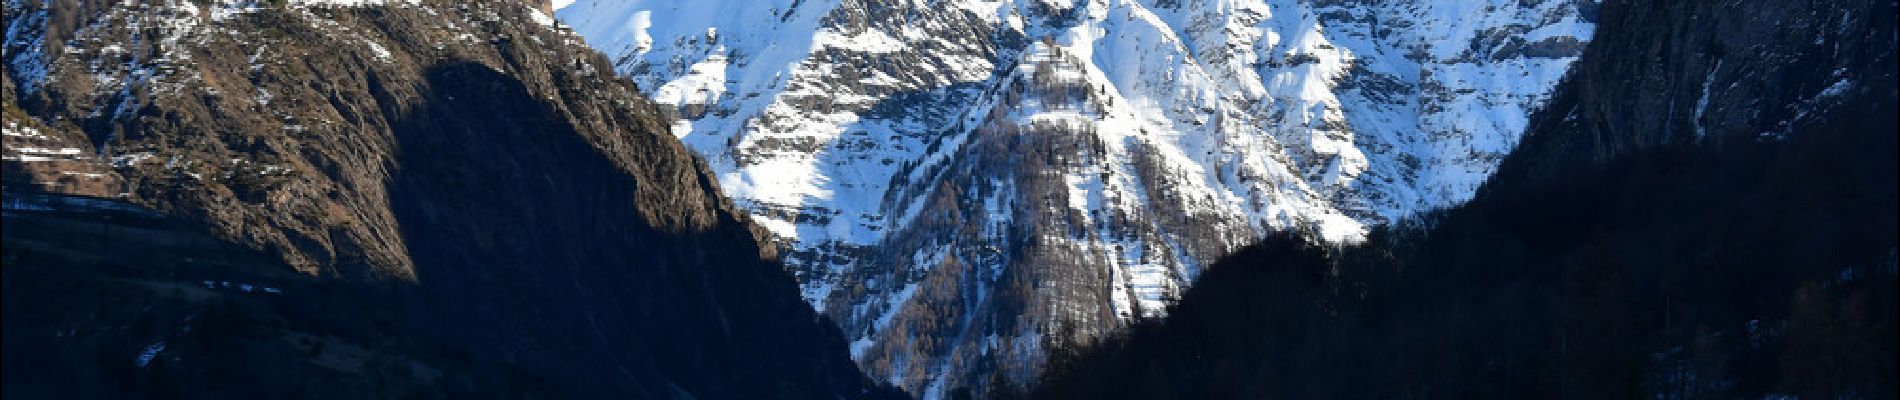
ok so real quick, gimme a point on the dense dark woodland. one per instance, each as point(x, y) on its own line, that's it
point(1619, 253)
point(499, 216)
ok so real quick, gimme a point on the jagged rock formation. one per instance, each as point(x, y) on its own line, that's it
point(956, 179)
point(1704, 210)
point(465, 164)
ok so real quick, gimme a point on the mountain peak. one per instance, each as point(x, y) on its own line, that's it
point(1048, 130)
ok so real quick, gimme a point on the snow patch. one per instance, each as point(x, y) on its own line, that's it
point(149, 353)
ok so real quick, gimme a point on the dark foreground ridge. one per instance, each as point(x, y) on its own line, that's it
point(104, 299)
point(1645, 241)
point(441, 201)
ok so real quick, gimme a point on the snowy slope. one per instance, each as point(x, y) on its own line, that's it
point(1005, 151)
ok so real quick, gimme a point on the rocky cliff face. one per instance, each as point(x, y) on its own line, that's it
point(478, 170)
point(1708, 73)
point(955, 180)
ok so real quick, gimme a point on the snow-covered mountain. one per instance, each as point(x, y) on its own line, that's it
point(950, 176)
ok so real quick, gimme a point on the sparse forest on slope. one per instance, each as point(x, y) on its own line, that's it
point(1704, 210)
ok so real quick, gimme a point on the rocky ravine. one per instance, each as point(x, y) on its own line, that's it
point(483, 175)
point(957, 179)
